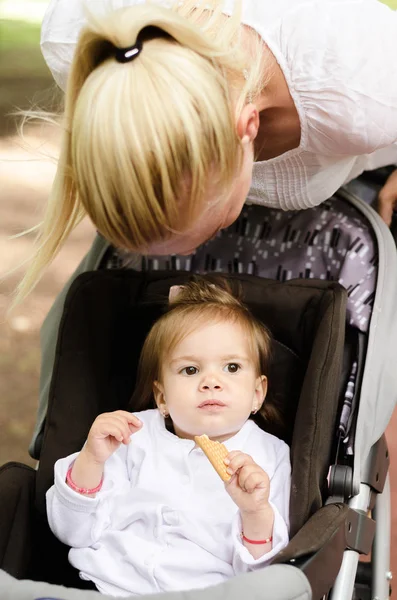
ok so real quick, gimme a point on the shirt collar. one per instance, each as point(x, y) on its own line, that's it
point(234, 443)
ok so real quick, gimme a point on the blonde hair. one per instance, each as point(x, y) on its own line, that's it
point(137, 135)
point(198, 303)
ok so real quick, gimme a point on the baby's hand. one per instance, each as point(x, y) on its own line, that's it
point(249, 485)
point(108, 432)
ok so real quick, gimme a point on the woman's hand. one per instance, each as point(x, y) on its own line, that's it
point(108, 432)
point(249, 485)
point(387, 198)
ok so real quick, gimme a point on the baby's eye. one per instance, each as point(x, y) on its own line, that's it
point(232, 368)
point(189, 371)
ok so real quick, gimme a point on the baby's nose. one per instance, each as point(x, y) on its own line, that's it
point(210, 382)
point(213, 386)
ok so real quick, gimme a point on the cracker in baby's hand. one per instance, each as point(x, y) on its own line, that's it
point(216, 453)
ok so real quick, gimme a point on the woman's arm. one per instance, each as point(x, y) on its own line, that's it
point(49, 336)
point(387, 198)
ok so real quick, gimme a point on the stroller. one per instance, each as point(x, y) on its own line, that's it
point(333, 377)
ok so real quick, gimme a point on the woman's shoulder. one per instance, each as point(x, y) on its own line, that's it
point(336, 56)
point(353, 13)
point(266, 12)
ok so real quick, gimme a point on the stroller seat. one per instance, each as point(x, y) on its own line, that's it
point(106, 316)
point(95, 370)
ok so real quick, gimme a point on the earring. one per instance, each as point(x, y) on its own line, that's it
point(165, 414)
point(254, 411)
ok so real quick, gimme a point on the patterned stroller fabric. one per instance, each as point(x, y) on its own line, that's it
point(334, 243)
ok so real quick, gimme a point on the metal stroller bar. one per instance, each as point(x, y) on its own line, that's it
point(343, 588)
point(381, 550)
point(344, 583)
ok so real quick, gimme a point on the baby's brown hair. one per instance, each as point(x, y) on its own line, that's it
point(197, 303)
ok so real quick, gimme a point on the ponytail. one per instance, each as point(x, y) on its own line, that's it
point(140, 138)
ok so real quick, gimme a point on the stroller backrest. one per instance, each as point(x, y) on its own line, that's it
point(106, 317)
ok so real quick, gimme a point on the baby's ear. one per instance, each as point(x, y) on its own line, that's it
point(261, 387)
point(158, 393)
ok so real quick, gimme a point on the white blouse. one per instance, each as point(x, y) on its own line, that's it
point(339, 61)
point(163, 520)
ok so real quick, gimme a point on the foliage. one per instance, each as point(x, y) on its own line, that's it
point(20, 54)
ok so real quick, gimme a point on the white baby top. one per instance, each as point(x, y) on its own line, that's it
point(163, 520)
point(339, 60)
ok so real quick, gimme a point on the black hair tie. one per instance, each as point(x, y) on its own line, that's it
point(124, 55)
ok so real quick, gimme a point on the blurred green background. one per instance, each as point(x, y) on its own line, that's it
point(27, 169)
point(24, 76)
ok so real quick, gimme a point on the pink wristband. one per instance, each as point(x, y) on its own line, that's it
point(77, 489)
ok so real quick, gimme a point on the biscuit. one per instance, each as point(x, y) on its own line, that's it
point(216, 453)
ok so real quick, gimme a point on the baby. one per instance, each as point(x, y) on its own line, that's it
point(141, 506)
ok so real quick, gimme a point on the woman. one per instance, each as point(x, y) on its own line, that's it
point(175, 116)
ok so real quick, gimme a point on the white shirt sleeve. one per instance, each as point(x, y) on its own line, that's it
point(61, 27)
point(78, 520)
point(341, 55)
point(280, 486)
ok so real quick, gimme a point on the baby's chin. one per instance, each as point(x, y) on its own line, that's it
point(214, 433)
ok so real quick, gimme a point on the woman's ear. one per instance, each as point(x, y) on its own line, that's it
point(248, 124)
point(260, 393)
point(158, 393)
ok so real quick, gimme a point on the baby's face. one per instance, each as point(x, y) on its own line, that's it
point(209, 382)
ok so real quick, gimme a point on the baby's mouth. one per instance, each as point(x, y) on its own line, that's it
point(211, 403)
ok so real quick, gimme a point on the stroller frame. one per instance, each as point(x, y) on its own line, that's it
point(348, 575)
